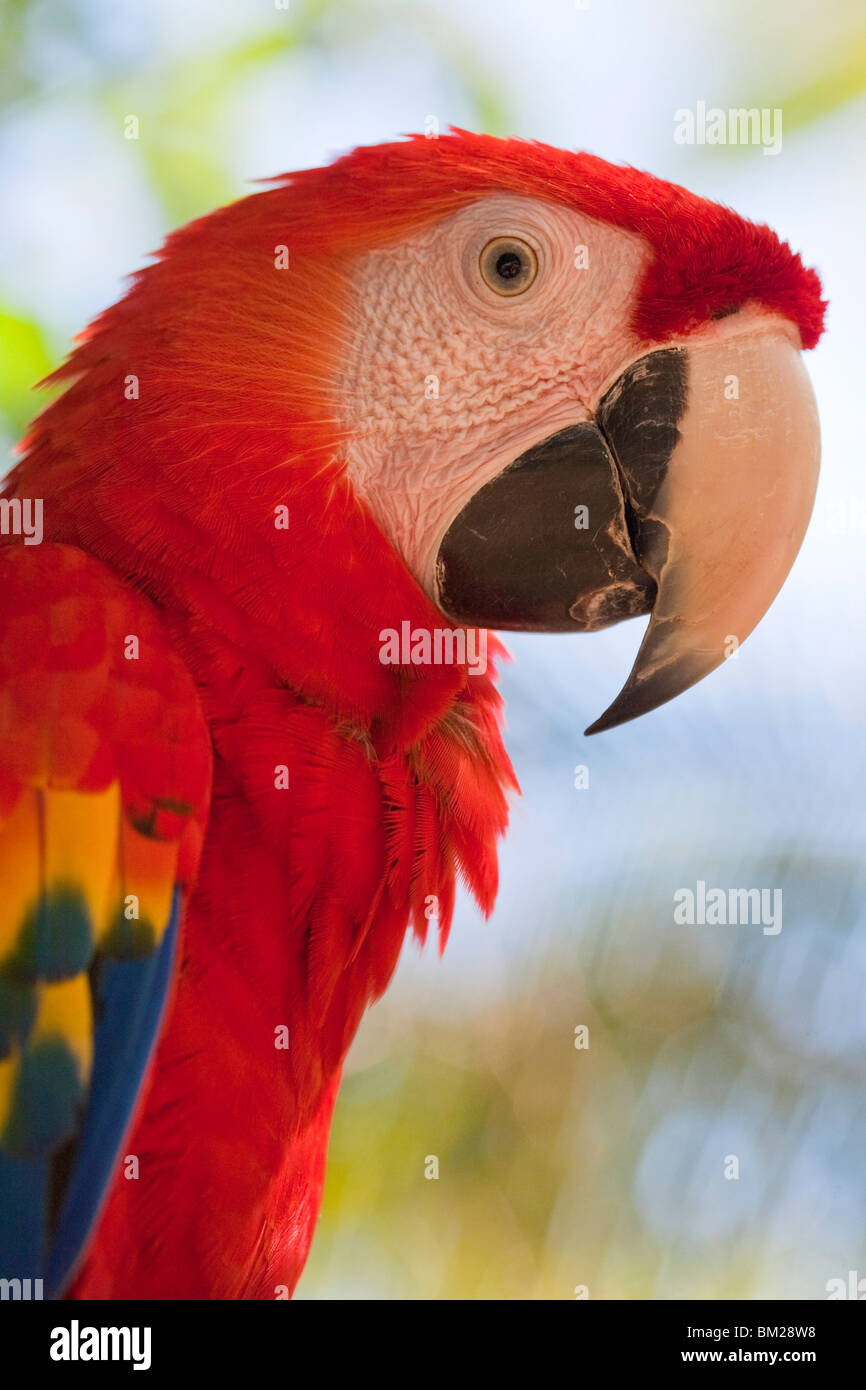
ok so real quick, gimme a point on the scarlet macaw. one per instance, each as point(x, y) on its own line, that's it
point(439, 384)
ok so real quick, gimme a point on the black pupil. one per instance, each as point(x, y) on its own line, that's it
point(508, 265)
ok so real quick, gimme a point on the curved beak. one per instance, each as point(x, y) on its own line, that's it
point(687, 497)
point(728, 517)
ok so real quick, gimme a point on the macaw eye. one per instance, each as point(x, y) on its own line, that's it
point(508, 265)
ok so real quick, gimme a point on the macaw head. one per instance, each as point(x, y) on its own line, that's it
point(576, 395)
point(567, 393)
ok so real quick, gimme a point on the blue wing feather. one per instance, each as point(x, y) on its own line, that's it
point(129, 1001)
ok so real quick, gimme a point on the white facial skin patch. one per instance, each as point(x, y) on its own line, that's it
point(449, 381)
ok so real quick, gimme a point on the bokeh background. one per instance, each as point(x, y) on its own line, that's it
point(559, 1167)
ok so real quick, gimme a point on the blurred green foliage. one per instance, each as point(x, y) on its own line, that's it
point(25, 357)
point(550, 1176)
